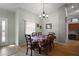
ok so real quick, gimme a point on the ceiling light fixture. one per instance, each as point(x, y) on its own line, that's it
point(72, 7)
point(43, 14)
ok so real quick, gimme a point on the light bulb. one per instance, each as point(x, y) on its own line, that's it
point(40, 16)
point(72, 7)
point(43, 14)
point(46, 15)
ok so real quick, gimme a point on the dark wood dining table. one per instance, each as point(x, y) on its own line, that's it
point(40, 40)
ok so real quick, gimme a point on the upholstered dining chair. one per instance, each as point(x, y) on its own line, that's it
point(39, 33)
point(52, 33)
point(28, 43)
point(50, 40)
point(34, 34)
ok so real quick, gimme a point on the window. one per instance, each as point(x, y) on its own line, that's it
point(3, 30)
point(30, 27)
point(75, 20)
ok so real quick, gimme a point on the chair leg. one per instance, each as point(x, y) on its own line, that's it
point(50, 47)
point(27, 51)
point(46, 53)
point(39, 50)
point(45, 48)
point(31, 51)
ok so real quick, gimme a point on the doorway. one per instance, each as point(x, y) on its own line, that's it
point(30, 27)
point(3, 32)
point(72, 27)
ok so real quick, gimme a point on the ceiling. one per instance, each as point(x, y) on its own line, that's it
point(35, 8)
point(73, 9)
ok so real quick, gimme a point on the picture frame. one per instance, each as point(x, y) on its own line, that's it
point(48, 26)
point(40, 27)
point(37, 25)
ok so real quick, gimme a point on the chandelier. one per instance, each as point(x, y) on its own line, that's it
point(43, 14)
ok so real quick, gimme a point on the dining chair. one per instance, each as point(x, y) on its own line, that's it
point(34, 34)
point(50, 40)
point(52, 33)
point(28, 43)
point(43, 47)
point(39, 33)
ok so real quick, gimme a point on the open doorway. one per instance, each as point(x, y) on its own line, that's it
point(72, 26)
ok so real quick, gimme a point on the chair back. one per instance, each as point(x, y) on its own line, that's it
point(52, 33)
point(50, 38)
point(39, 33)
point(28, 40)
point(28, 43)
point(34, 34)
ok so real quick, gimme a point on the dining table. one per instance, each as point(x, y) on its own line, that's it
point(40, 39)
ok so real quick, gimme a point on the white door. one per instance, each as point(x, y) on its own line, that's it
point(3, 32)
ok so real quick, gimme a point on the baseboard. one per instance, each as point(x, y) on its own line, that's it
point(59, 43)
point(7, 45)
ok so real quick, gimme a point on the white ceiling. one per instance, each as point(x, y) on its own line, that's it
point(72, 9)
point(35, 8)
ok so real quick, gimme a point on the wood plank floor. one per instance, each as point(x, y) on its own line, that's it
point(68, 49)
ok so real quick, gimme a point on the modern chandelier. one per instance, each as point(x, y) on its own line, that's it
point(43, 14)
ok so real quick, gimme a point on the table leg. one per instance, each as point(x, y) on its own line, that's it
point(39, 50)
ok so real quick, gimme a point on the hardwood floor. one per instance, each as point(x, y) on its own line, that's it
point(68, 49)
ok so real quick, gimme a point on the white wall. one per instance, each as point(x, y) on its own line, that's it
point(11, 24)
point(26, 15)
point(53, 19)
point(62, 25)
point(57, 19)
